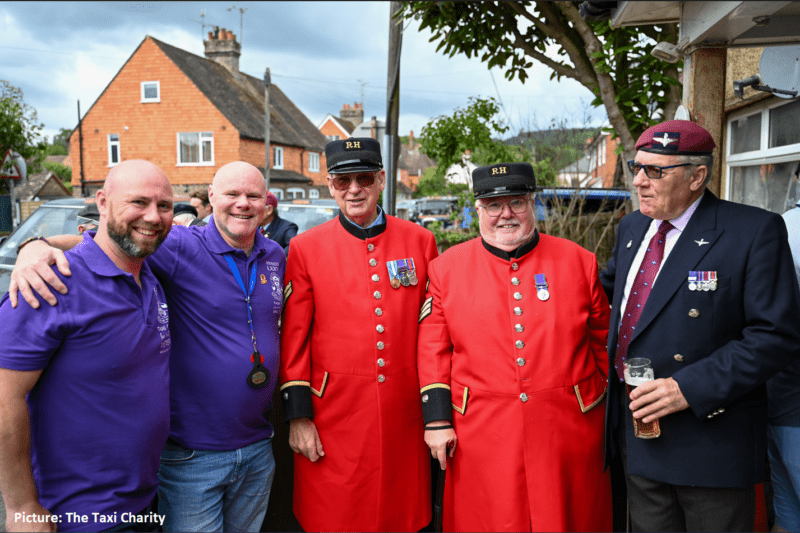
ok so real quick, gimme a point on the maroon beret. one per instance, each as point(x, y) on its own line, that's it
point(676, 137)
point(272, 199)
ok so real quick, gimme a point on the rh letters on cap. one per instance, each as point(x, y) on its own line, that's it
point(499, 170)
point(350, 145)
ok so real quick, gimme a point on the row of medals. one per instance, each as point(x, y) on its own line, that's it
point(702, 281)
point(402, 272)
point(406, 278)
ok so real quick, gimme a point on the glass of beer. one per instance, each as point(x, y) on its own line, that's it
point(638, 371)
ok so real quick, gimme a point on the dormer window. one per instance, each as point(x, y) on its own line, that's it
point(151, 92)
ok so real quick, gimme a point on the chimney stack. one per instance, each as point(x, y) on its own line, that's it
point(411, 140)
point(222, 47)
point(373, 131)
point(354, 114)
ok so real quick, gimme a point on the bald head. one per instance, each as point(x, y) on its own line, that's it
point(133, 174)
point(238, 170)
point(238, 195)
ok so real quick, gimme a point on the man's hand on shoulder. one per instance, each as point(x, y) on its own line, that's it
point(656, 399)
point(32, 272)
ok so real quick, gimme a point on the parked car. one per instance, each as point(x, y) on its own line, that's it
point(308, 213)
point(593, 199)
point(433, 209)
point(57, 217)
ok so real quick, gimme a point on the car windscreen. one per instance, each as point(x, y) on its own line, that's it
point(306, 217)
point(44, 222)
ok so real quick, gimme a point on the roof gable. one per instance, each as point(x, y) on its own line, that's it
point(240, 98)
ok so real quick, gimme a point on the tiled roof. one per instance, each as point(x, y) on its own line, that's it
point(240, 98)
point(414, 161)
point(286, 176)
point(36, 183)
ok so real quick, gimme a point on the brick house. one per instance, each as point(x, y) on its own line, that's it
point(341, 127)
point(190, 115)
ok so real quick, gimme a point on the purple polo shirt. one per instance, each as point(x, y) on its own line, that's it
point(212, 406)
point(100, 409)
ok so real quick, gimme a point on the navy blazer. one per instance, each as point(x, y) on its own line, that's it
point(721, 354)
point(281, 231)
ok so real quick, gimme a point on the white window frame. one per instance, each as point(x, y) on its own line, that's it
point(119, 150)
point(278, 193)
point(313, 193)
point(278, 158)
point(292, 192)
point(155, 100)
point(202, 136)
point(313, 161)
point(762, 156)
point(333, 137)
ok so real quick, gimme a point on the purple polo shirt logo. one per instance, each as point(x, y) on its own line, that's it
point(163, 320)
point(669, 141)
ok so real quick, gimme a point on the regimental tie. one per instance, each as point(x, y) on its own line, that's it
point(639, 293)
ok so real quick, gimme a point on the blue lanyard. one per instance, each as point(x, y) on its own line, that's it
point(247, 294)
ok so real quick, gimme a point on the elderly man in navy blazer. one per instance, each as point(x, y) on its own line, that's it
point(704, 289)
point(276, 228)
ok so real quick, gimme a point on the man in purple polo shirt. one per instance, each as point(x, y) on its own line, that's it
point(82, 454)
point(217, 467)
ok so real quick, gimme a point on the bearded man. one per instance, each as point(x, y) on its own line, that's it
point(84, 386)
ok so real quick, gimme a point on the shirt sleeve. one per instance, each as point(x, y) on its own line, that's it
point(434, 351)
point(298, 315)
point(30, 337)
point(165, 259)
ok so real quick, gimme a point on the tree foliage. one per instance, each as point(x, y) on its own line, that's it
point(636, 89)
point(447, 138)
point(60, 144)
point(19, 128)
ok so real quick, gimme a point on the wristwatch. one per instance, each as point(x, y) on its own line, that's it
point(30, 240)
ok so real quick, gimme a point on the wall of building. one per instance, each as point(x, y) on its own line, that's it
point(149, 130)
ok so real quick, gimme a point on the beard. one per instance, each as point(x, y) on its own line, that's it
point(122, 235)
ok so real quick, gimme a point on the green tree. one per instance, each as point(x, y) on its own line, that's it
point(636, 89)
point(19, 129)
point(60, 144)
point(446, 139)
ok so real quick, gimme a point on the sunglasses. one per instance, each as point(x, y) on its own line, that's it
point(654, 172)
point(342, 183)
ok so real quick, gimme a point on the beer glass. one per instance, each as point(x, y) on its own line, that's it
point(638, 371)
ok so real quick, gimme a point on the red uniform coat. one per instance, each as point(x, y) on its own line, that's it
point(526, 379)
point(348, 359)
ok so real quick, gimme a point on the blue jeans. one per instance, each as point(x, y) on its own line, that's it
point(784, 463)
point(208, 490)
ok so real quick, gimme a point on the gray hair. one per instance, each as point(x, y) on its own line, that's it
point(699, 161)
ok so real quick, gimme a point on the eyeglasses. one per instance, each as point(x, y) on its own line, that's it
point(494, 209)
point(654, 172)
point(342, 183)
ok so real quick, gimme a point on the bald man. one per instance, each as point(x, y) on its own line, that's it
point(83, 416)
point(224, 286)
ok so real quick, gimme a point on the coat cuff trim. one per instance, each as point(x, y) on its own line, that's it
point(434, 386)
point(296, 383)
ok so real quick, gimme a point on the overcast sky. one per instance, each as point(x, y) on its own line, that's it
point(321, 54)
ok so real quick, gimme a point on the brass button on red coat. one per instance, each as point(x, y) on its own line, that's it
point(370, 247)
point(381, 378)
point(523, 397)
point(373, 262)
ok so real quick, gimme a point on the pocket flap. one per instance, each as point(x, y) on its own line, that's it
point(591, 392)
point(319, 380)
point(460, 394)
